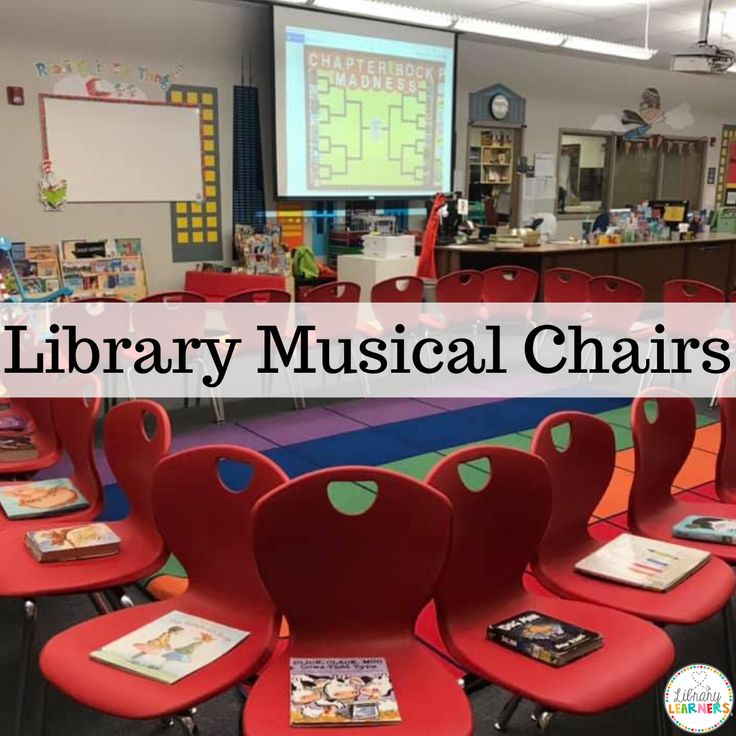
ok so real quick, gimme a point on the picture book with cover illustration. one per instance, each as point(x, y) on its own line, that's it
point(34, 499)
point(643, 563)
point(72, 543)
point(14, 449)
point(342, 692)
point(715, 529)
point(545, 638)
point(171, 647)
point(13, 423)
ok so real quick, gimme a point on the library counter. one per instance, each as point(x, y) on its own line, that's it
point(711, 259)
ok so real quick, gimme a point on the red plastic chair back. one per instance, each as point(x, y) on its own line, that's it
point(726, 462)
point(462, 290)
point(580, 470)
point(259, 296)
point(336, 322)
point(664, 430)
point(74, 419)
point(174, 296)
point(405, 290)
point(133, 453)
point(40, 410)
point(495, 528)
point(510, 284)
point(336, 292)
point(460, 286)
point(341, 578)
point(207, 525)
point(614, 289)
point(679, 294)
point(564, 287)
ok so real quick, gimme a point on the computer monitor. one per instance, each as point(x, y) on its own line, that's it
point(672, 212)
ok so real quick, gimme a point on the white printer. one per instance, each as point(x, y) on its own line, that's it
point(388, 246)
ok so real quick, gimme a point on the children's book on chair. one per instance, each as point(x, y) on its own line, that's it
point(545, 638)
point(35, 499)
point(342, 692)
point(643, 563)
point(80, 542)
point(17, 449)
point(171, 647)
point(714, 529)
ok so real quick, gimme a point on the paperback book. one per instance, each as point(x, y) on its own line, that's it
point(15, 449)
point(714, 529)
point(34, 499)
point(643, 563)
point(545, 638)
point(342, 692)
point(171, 647)
point(72, 543)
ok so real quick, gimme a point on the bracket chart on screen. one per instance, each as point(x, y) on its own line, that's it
point(366, 115)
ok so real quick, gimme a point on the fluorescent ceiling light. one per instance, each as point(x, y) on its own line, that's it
point(506, 30)
point(594, 46)
point(376, 9)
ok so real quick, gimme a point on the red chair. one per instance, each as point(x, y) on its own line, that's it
point(690, 291)
point(662, 443)
point(331, 616)
point(509, 284)
point(580, 474)
point(336, 292)
point(495, 532)
point(260, 296)
point(614, 290)
point(461, 293)
point(726, 462)
point(207, 525)
point(407, 291)
point(94, 299)
point(38, 413)
point(563, 287)
point(132, 455)
point(74, 420)
point(173, 296)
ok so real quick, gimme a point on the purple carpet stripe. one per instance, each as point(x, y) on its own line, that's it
point(375, 412)
point(229, 434)
point(301, 426)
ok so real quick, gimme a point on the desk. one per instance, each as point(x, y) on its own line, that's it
point(712, 259)
point(216, 285)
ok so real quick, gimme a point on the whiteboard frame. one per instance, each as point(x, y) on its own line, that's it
point(42, 97)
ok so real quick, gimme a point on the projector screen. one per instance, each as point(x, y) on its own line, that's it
point(363, 108)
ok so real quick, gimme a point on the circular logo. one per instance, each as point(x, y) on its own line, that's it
point(698, 698)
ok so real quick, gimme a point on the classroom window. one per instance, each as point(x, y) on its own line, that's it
point(582, 172)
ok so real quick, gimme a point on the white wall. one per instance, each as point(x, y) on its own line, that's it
point(571, 92)
point(207, 38)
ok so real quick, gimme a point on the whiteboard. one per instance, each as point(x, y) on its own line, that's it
point(122, 151)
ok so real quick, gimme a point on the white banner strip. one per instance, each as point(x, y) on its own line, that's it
point(355, 350)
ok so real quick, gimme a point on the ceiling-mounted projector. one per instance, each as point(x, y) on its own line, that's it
point(704, 57)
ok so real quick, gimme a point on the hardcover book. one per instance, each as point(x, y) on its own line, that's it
point(545, 638)
point(342, 692)
point(13, 423)
point(171, 647)
point(72, 543)
point(35, 499)
point(643, 563)
point(714, 529)
point(14, 449)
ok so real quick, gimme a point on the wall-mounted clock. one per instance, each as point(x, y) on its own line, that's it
point(499, 106)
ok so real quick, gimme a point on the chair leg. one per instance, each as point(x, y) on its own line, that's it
point(30, 614)
point(100, 602)
point(730, 641)
point(41, 707)
point(544, 720)
point(507, 712)
point(187, 723)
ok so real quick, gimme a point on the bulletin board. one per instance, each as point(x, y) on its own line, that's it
point(196, 227)
point(123, 150)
